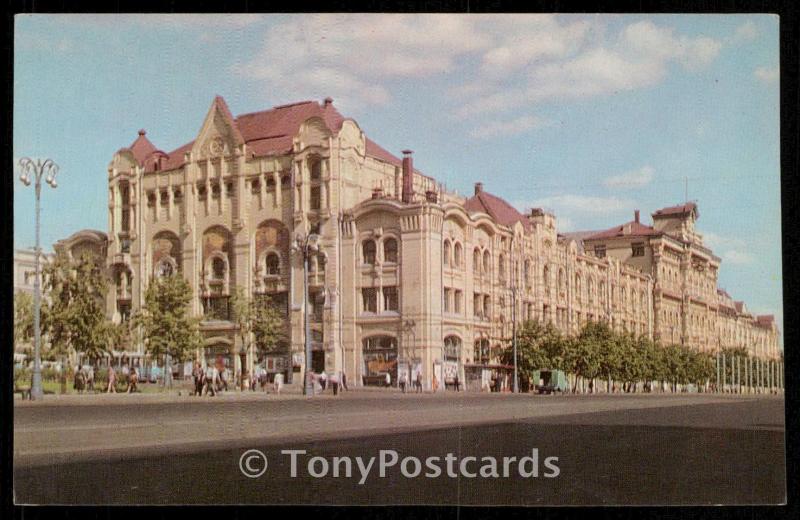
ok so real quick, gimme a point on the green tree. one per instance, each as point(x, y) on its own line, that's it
point(23, 319)
point(75, 315)
point(538, 346)
point(167, 328)
point(259, 321)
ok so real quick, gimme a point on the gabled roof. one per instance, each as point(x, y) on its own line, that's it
point(500, 210)
point(629, 229)
point(681, 209)
point(271, 132)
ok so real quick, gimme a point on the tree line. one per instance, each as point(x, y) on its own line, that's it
point(73, 316)
point(600, 354)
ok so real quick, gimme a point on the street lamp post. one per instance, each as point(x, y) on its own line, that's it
point(36, 169)
point(306, 246)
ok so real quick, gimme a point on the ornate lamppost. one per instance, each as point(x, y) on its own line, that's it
point(306, 246)
point(36, 169)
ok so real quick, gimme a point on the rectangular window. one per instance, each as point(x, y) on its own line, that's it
point(446, 300)
point(600, 251)
point(457, 302)
point(369, 296)
point(390, 300)
point(316, 198)
point(477, 305)
point(637, 249)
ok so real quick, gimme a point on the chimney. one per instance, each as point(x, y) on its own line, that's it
point(408, 176)
point(478, 187)
point(328, 101)
point(142, 132)
point(636, 216)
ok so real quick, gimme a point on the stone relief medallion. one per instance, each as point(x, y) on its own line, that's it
point(216, 146)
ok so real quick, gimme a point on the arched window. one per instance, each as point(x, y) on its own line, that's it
point(487, 262)
point(390, 250)
point(368, 250)
point(457, 255)
point(601, 288)
point(501, 267)
point(273, 264)
point(452, 348)
point(315, 168)
point(487, 307)
point(562, 287)
point(446, 253)
point(590, 289)
point(578, 294)
point(476, 260)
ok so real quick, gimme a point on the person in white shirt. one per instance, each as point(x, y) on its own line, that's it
point(210, 386)
point(278, 383)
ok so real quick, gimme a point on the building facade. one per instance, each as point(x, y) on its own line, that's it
point(688, 306)
point(408, 274)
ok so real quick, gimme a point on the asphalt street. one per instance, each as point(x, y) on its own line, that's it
point(621, 449)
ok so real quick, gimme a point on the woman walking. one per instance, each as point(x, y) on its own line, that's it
point(112, 380)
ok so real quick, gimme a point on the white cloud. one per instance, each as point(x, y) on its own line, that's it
point(715, 241)
point(746, 32)
point(360, 54)
point(633, 179)
point(737, 257)
point(639, 57)
point(731, 249)
point(584, 205)
point(507, 128)
point(767, 74)
point(510, 61)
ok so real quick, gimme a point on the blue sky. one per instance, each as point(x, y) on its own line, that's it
point(591, 116)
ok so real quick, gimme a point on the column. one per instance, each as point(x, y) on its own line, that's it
point(278, 188)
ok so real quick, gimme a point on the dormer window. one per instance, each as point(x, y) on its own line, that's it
point(637, 249)
point(600, 251)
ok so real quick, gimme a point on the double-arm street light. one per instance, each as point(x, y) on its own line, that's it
point(36, 169)
point(306, 246)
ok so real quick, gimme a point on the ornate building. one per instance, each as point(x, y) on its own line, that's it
point(409, 274)
point(688, 307)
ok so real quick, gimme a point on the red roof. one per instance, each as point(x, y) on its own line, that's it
point(766, 319)
point(500, 210)
point(142, 147)
point(629, 229)
point(739, 306)
point(269, 132)
point(676, 210)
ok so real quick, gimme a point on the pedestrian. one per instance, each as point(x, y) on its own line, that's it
point(209, 381)
point(334, 381)
point(435, 383)
point(323, 380)
point(278, 383)
point(388, 379)
point(223, 379)
point(418, 382)
point(197, 376)
point(90, 378)
point(112, 380)
point(133, 381)
point(344, 380)
point(78, 383)
point(456, 383)
point(402, 381)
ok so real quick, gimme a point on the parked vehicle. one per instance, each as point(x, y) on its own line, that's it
point(550, 381)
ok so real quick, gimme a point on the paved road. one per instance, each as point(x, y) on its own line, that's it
point(611, 449)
